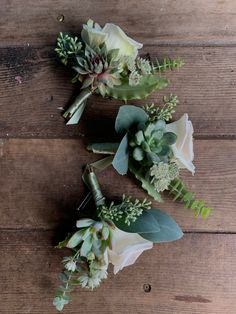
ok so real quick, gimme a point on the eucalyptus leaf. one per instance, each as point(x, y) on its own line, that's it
point(145, 223)
point(59, 303)
point(129, 116)
point(121, 159)
point(169, 229)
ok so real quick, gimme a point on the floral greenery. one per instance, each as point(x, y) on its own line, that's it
point(165, 113)
point(111, 72)
point(67, 47)
point(151, 143)
point(178, 189)
point(167, 64)
point(146, 150)
point(163, 174)
point(128, 208)
point(88, 264)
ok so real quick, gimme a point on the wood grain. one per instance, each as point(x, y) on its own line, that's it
point(41, 158)
point(149, 21)
point(41, 184)
point(205, 86)
point(185, 277)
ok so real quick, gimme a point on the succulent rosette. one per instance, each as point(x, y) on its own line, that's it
point(155, 150)
point(106, 62)
point(116, 233)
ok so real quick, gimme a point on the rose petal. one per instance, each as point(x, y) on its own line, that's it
point(118, 39)
point(183, 148)
point(126, 248)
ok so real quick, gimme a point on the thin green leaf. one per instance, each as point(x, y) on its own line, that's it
point(86, 246)
point(121, 159)
point(75, 239)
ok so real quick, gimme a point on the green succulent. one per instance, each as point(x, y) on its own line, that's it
point(151, 143)
point(98, 68)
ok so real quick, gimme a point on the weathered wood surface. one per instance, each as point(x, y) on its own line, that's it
point(194, 276)
point(150, 21)
point(41, 184)
point(41, 158)
point(205, 86)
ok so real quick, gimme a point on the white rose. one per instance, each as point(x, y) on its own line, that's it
point(183, 148)
point(93, 34)
point(118, 39)
point(126, 248)
point(113, 36)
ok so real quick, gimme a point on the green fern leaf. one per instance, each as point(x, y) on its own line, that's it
point(178, 189)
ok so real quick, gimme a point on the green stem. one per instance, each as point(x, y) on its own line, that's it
point(74, 112)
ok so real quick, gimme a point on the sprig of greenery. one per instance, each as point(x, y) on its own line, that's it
point(67, 46)
point(167, 64)
point(88, 266)
point(128, 208)
point(164, 113)
point(180, 192)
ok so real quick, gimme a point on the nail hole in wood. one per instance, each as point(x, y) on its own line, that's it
point(60, 18)
point(147, 287)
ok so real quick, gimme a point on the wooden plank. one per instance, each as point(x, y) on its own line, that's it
point(193, 275)
point(41, 184)
point(150, 22)
point(205, 86)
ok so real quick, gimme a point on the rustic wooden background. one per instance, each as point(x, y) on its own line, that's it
point(41, 158)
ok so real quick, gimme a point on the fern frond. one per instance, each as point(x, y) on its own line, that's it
point(167, 64)
point(178, 189)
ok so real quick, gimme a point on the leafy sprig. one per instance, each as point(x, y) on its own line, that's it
point(128, 208)
point(67, 46)
point(167, 64)
point(87, 267)
point(180, 192)
point(162, 113)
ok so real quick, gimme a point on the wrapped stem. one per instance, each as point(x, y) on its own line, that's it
point(75, 111)
point(98, 197)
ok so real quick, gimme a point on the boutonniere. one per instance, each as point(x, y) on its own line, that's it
point(106, 62)
point(155, 150)
point(115, 232)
